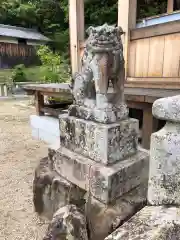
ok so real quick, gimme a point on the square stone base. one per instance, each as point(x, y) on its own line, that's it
point(151, 223)
point(105, 183)
point(103, 143)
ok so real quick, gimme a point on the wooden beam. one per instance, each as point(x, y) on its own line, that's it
point(156, 30)
point(170, 6)
point(76, 26)
point(150, 125)
point(127, 20)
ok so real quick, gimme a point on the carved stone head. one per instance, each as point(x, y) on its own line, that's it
point(104, 38)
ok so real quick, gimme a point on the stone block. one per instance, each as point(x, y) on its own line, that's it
point(105, 183)
point(103, 218)
point(152, 223)
point(164, 175)
point(103, 143)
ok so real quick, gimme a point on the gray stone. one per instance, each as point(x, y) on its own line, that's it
point(51, 191)
point(151, 223)
point(67, 223)
point(167, 108)
point(105, 183)
point(103, 219)
point(103, 143)
point(107, 115)
point(52, 149)
point(164, 175)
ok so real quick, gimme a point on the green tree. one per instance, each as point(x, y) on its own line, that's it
point(51, 16)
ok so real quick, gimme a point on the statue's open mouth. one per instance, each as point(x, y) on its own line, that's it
point(103, 43)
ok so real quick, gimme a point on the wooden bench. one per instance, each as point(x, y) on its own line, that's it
point(136, 98)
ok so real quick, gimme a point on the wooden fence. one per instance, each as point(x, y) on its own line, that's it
point(5, 89)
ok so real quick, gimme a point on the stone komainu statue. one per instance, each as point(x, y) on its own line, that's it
point(102, 63)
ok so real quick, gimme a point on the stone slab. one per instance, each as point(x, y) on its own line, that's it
point(103, 143)
point(100, 115)
point(151, 223)
point(164, 175)
point(103, 218)
point(105, 183)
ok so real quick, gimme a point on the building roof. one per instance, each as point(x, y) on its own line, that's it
point(20, 32)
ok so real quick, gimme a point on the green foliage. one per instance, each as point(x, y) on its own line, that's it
point(18, 74)
point(51, 18)
point(54, 68)
point(49, 58)
point(148, 8)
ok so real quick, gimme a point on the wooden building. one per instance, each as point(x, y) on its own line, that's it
point(17, 46)
point(151, 52)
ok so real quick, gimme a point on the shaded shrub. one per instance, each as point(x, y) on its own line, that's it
point(18, 74)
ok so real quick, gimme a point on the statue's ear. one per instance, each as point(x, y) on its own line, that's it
point(89, 30)
point(120, 30)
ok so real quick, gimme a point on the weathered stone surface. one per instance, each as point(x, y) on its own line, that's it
point(103, 219)
point(106, 183)
point(52, 149)
point(151, 223)
point(164, 175)
point(67, 223)
point(100, 115)
point(167, 109)
point(51, 191)
point(102, 143)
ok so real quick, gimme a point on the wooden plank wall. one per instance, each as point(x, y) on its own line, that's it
point(155, 57)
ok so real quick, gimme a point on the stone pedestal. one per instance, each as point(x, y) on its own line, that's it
point(103, 143)
point(104, 161)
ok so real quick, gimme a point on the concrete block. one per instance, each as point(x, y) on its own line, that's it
point(45, 128)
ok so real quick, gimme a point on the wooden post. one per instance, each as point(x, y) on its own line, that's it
point(150, 125)
point(76, 26)
point(170, 6)
point(39, 103)
point(127, 20)
point(5, 90)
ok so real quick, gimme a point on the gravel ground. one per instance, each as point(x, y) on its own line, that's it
point(19, 155)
